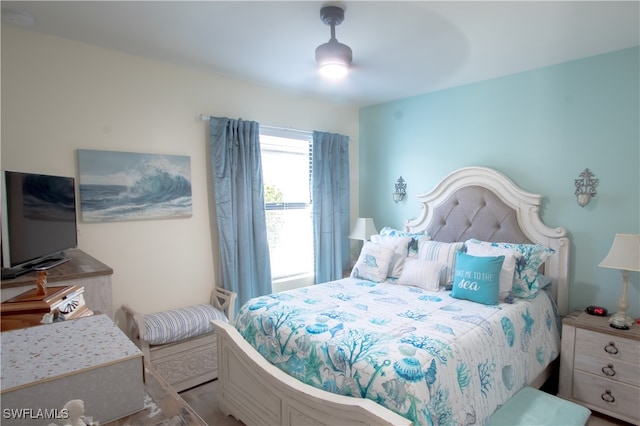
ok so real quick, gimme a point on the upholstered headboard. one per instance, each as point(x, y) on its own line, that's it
point(482, 203)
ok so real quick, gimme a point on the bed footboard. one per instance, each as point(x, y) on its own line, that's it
point(257, 393)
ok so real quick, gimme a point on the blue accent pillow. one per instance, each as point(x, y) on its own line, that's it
point(477, 278)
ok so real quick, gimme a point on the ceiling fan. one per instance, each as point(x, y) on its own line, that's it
point(333, 57)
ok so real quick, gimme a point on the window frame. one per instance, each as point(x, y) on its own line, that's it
point(304, 279)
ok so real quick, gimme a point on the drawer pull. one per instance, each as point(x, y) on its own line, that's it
point(607, 397)
point(611, 348)
point(608, 370)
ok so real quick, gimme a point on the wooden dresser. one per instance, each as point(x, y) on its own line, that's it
point(600, 366)
point(82, 271)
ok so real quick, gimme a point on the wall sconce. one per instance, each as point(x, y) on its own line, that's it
point(401, 190)
point(585, 187)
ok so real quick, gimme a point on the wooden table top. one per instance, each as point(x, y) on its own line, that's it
point(81, 265)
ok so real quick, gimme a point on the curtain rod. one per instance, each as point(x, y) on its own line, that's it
point(205, 117)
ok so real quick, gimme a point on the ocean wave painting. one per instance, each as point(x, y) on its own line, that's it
point(120, 186)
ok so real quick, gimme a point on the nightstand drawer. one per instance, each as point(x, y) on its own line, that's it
point(612, 369)
point(606, 394)
point(600, 366)
point(607, 346)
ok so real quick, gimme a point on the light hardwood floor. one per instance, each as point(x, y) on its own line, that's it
point(203, 399)
point(597, 419)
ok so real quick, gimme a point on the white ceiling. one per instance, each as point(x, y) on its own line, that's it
point(400, 49)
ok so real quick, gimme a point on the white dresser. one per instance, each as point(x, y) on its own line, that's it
point(600, 366)
point(45, 366)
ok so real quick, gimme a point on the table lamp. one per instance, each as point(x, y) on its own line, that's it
point(363, 229)
point(624, 255)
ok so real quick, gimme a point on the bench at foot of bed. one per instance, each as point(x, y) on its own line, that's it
point(534, 407)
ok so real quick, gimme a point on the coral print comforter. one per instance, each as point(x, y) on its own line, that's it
point(431, 358)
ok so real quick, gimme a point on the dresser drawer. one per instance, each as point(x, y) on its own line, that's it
point(613, 369)
point(607, 346)
point(606, 394)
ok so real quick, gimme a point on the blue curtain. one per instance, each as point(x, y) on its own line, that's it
point(239, 197)
point(330, 183)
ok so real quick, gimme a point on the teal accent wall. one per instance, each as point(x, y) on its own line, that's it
point(541, 128)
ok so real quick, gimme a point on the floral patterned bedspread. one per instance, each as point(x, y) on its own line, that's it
point(425, 355)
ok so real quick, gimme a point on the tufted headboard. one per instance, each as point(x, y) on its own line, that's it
point(482, 203)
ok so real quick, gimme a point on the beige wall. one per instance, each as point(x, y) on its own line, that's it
point(59, 96)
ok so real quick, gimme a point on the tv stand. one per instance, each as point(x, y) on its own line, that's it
point(49, 263)
point(11, 273)
point(39, 265)
point(81, 270)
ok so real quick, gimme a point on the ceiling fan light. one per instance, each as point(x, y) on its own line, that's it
point(333, 58)
point(333, 71)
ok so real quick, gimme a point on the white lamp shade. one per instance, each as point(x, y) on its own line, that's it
point(624, 253)
point(363, 229)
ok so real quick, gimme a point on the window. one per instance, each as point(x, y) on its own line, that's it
point(286, 170)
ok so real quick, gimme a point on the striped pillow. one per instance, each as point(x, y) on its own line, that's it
point(179, 324)
point(437, 251)
point(421, 273)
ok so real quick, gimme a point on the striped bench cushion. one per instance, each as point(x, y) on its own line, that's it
point(179, 324)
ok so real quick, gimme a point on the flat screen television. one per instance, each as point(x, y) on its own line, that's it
point(38, 220)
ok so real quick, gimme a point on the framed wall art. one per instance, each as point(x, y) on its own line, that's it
point(121, 186)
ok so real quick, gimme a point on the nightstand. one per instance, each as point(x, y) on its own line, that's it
point(600, 366)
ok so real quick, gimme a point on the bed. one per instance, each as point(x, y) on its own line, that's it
point(440, 359)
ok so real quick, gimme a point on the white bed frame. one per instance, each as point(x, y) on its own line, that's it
point(527, 208)
point(258, 393)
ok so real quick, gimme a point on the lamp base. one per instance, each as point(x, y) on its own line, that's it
point(621, 321)
point(619, 327)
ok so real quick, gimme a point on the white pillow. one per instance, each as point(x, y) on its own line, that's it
point(400, 247)
point(422, 273)
point(373, 262)
point(437, 251)
point(508, 266)
point(415, 238)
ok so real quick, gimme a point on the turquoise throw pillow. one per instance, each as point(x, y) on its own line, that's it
point(477, 278)
point(526, 280)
